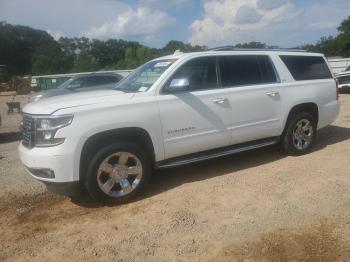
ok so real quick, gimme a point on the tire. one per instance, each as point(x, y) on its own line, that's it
point(117, 173)
point(300, 134)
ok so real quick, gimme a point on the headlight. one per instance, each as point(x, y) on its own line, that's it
point(46, 128)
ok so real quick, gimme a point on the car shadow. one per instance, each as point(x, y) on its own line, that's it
point(167, 179)
point(9, 137)
point(330, 135)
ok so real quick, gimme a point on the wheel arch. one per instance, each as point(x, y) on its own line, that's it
point(307, 107)
point(135, 135)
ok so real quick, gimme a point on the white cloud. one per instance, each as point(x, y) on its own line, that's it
point(247, 15)
point(139, 20)
point(68, 16)
point(133, 24)
point(270, 4)
point(279, 22)
point(168, 4)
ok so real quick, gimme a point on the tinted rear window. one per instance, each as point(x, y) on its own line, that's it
point(246, 70)
point(307, 67)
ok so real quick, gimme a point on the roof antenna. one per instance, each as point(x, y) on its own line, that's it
point(177, 52)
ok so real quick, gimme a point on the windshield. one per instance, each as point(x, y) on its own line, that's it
point(348, 69)
point(145, 76)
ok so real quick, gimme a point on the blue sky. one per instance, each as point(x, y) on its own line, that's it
point(286, 23)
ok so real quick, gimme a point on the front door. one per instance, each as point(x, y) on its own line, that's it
point(198, 118)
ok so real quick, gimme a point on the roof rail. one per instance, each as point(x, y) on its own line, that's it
point(232, 48)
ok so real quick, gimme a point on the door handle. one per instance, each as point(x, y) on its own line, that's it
point(219, 100)
point(272, 94)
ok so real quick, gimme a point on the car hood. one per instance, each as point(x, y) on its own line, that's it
point(64, 91)
point(52, 104)
point(50, 93)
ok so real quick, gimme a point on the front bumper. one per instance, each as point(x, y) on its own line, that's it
point(57, 166)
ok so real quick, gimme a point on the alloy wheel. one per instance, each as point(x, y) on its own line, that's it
point(119, 174)
point(303, 134)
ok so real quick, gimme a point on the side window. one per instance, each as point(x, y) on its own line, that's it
point(98, 80)
point(111, 79)
point(241, 70)
point(200, 72)
point(306, 67)
point(101, 80)
point(92, 81)
point(78, 83)
point(104, 80)
point(267, 70)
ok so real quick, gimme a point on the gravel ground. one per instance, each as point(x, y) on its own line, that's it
point(14, 180)
point(255, 206)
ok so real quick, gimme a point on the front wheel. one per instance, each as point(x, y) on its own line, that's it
point(117, 173)
point(300, 134)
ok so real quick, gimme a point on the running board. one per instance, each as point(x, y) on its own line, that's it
point(210, 154)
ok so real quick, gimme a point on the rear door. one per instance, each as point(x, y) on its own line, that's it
point(254, 96)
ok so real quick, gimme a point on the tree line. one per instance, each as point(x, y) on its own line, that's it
point(30, 51)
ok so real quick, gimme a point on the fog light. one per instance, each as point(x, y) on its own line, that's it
point(42, 172)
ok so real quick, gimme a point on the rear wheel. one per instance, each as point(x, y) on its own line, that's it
point(117, 173)
point(300, 134)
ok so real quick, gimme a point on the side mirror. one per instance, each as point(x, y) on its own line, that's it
point(180, 84)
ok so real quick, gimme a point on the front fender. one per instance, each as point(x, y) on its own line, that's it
point(91, 122)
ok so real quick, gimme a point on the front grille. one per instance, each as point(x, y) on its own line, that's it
point(344, 80)
point(28, 131)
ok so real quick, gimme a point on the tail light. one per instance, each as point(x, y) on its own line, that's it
point(336, 86)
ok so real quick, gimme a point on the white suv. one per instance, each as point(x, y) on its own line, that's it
point(176, 110)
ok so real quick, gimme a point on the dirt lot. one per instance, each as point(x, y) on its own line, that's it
point(255, 206)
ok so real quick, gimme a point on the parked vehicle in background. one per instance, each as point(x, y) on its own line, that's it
point(176, 110)
point(343, 79)
point(81, 83)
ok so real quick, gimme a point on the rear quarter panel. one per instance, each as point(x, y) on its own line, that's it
point(321, 92)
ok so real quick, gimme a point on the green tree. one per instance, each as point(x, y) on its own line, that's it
point(26, 50)
point(130, 57)
point(18, 44)
point(343, 41)
point(69, 49)
point(174, 45)
point(48, 60)
point(142, 54)
point(108, 52)
point(334, 46)
point(258, 45)
point(85, 62)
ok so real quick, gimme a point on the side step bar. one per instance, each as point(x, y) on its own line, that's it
point(210, 154)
